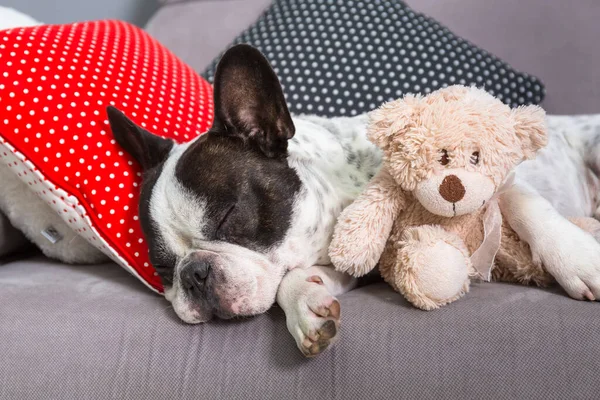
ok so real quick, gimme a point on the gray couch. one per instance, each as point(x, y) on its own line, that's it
point(94, 332)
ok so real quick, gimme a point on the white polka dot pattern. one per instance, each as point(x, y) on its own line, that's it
point(54, 89)
point(342, 58)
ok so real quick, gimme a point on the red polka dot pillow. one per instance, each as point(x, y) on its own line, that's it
point(55, 85)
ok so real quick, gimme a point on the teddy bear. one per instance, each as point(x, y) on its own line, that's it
point(431, 217)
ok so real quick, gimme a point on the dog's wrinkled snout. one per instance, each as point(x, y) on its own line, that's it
point(194, 274)
point(452, 189)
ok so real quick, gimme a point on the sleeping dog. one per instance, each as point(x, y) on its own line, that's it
point(243, 215)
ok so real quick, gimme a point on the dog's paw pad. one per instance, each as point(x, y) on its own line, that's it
point(313, 317)
point(317, 341)
point(311, 349)
point(327, 330)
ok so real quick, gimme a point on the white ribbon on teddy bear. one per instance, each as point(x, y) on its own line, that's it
point(483, 258)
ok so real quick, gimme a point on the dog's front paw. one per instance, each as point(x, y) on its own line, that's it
point(572, 257)
point(314, 319)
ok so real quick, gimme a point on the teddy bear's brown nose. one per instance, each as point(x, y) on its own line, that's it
point(452, 189)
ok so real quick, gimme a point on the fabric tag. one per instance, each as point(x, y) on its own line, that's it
point(483, 258)
point(52, 235)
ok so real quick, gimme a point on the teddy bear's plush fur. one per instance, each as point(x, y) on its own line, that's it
point(445, 156)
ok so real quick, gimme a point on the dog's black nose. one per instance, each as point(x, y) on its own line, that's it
point(194, 274)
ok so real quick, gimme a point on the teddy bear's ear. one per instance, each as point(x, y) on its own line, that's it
point(390, 120)
point(530, 127)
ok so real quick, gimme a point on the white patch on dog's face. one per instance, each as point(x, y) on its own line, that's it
point(454, 192)
point(241, 281)
point(178, 214)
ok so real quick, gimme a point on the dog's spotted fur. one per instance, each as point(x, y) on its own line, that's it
point(251, 210)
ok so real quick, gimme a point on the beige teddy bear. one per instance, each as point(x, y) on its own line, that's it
point(431, 214)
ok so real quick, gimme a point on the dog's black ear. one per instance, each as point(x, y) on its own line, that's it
point(148, 149)
point(249, 101)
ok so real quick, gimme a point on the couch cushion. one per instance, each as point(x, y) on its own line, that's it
point(177, 27)
point(181, 1)
point(56, 138)
point(74, 332)
point(346, 58)
point(551, 39)
point(554, 39)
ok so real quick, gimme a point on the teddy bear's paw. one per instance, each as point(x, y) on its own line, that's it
point(428, 304)
point(314, 321)
point(435, 268)
point(354, 257)
point(442, 276)
point(357, 265)
point(572, 258)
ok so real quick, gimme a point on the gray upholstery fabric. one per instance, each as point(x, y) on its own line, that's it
point(182, 1)
point(95, 332)
point(75, 332)
point(198, 31)
point(555, 40)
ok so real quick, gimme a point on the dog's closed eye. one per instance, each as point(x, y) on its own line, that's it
point(223, 222)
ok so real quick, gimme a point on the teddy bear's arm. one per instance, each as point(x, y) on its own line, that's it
point(364, 226)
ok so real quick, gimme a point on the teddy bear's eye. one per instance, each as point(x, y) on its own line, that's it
point(444, 160)
point(475, 158)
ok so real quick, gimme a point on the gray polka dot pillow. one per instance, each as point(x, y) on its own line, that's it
point(342, 57)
